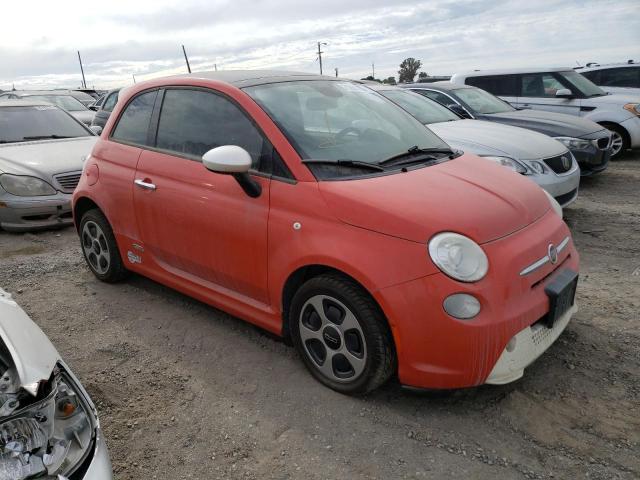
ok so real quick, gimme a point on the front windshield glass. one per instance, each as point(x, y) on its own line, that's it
point(481, 101)
point(583, 84)
point(425, 110)
point(21, 124)
point(341, 121)
point(67, 102)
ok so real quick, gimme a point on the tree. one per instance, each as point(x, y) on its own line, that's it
point(408, 70)
point(422, 75)
point(389, 81)
point(371, 79)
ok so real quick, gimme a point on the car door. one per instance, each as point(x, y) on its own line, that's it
point(103, 114)
point(117, 159)
point(538, 91)
point(195, 224)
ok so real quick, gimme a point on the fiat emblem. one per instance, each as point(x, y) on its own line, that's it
point(553, 253)
point(566, 162)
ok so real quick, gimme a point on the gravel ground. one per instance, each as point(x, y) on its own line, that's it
point(186, 391)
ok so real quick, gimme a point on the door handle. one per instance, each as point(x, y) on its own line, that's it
point(145, 185)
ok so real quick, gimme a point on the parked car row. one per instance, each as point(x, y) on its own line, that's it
point(383, 231)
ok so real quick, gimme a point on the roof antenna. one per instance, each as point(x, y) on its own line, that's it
point(186, 59)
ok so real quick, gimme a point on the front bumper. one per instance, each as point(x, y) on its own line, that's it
point(33, 213)
point(436, 350)
point(592, 159)
point(632, 126)
point(564, 187)
point(527, 346)
point(99, 467)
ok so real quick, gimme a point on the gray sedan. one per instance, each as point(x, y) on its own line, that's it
point(42, 150)
point(542, 159)
point(60, 98)
point(48, 425)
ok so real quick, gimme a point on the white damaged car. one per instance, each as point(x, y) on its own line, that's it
point(49, 428)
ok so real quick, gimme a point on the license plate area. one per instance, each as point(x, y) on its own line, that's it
point(562, 293)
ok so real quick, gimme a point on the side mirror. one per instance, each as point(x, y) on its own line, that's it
point(233, 160)
point(97, 129)
point(93, 107)
point(564, 93)
point(455, 108)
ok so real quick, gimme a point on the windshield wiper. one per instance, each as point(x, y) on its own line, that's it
point(426, 154)
point(45, 137)
point(347, 163)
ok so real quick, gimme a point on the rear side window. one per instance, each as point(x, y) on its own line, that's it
point(110, 102)
point(437, 96)
point(497, 84)
point(620, 77)
point(594, 76)
point(133, 125)
point(192, 122)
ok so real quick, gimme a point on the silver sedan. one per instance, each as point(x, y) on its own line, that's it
point(542, 159)
point(42, 150)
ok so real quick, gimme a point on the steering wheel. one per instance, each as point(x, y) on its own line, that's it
point(345, 131)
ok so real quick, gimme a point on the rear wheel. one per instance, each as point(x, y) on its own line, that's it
point(100, 248)
point(341, 335)
point(619, 140)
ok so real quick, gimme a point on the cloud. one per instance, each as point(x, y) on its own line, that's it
point(144, 37)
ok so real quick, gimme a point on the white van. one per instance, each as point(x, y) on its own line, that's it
point(563, 90)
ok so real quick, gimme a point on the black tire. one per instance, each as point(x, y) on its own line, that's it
point(378, 353)
point(621, 135)
point(113, 270)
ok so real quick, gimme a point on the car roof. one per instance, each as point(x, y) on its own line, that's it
point(437, 86)
point(600, 66)
point(24, 103)
point(510, 71)
point(26, 93)
point(245, 78)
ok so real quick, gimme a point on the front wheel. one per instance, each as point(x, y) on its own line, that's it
point(619, 140)
point(100, 248)
point(341, 335)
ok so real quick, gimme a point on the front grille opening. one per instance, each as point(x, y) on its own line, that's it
point(68, 181)
point(560, 164)
point(35, 218)
point(603, 143)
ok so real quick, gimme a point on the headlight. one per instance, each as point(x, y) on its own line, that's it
point(575, 143)
point(23, 186)
point(458, 257)
point(537, 166)
point(633, 108)
point(554, 204)
point(509, 163)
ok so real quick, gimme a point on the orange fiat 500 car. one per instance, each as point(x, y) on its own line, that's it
point(318, 210)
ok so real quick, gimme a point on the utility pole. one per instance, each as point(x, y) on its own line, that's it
point(134, 78)
point(84, 83)
point(186, 59)
point(336, 69)
point(215, 66)
point(373, 70)
point(320, 52)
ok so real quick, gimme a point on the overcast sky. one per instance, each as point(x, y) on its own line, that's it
point(119, 38)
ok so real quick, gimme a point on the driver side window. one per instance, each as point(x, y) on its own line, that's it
point(540, 85)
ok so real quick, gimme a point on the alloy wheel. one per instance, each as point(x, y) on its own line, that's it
point(96, 249)
point(332, 338)
point(616, 143)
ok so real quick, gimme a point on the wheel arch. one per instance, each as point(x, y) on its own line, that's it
point(81, 206)
point(303, 273)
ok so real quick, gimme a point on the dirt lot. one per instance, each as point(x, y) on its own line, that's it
point(186, 391)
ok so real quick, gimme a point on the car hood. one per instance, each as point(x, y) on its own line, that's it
point(614, 99)
point(480, 199)
point(33, 355)
point(45, 158)
point(549, 123)
point(490, 138)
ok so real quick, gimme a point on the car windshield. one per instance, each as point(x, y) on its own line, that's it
point(342, 122)
point(67, 102)
point(20, 124)
point(583, 84)
point(481, 101)
point(423, 108)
